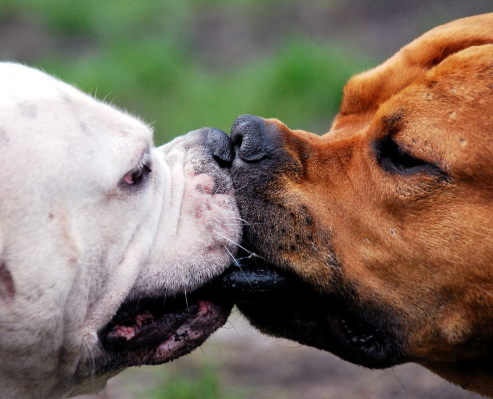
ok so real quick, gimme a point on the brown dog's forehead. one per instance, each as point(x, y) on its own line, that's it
point(439, 89)
point(451, 112)
point(366, 91)
point(442, 116)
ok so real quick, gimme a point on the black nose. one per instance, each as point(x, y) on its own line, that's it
point(220, 145)
point(249, 137)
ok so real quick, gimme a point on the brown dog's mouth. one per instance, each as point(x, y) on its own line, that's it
point(286, 307)
point(157, 330)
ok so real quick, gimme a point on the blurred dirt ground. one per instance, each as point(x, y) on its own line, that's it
point(258, 367)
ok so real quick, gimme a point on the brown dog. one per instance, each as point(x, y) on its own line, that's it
point(388, 218)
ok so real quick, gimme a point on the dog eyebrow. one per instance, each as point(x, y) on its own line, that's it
point(145, 159)
point(143, 152)
point(392, 123)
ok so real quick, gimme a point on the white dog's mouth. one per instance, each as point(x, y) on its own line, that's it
point(157, 330)
point(201, 214)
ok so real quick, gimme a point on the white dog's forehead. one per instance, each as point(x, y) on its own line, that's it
point(41, 116)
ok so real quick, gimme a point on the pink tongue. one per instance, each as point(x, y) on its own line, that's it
point(123, 331)
point(129, 332)
point(203, 307)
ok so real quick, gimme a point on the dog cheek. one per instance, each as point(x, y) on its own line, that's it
point(455, 328)
point(7, 286)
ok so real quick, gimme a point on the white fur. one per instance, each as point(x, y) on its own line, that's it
point(75, 243)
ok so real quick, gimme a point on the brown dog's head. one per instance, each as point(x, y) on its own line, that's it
point(388, 218)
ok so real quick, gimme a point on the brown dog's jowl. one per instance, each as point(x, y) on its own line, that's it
point(387, 218)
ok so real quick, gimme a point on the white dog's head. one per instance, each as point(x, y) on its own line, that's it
point(101, 234)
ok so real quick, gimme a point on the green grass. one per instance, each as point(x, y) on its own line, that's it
point(205, 385)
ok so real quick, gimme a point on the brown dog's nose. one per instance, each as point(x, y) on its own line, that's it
point(249, 138)
point(220, 145)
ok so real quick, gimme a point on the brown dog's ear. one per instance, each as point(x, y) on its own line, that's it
point(434, 46)
point(365, 92)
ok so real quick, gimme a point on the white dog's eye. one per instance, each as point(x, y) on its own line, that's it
point(138, 175)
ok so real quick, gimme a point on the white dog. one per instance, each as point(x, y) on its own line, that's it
point(98, 230)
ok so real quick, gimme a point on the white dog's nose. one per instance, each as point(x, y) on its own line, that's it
point(220, 145)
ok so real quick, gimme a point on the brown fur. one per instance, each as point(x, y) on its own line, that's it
point(417, 246)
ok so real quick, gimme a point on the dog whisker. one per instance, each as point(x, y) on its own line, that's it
point(246, 223)
point(252, 255)
point(203, 352)
point(248, 281)
point(227, 180)
point(186, 299)
point(236, 263)
point(232, 326)
point(230, 254)
point(398, 379)
point(238, 218)
point(243, 224)
point(241, 188)
point(231, 241)
point(218, 347)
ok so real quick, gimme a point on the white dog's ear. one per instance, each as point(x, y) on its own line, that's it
point(7, 286)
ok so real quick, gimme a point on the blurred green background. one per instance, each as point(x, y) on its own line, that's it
point(184, 64)
point(161, 60)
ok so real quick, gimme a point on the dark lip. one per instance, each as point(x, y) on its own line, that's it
point(341, 333)
point(149, 320)
point(281, 304)
point(140, 327)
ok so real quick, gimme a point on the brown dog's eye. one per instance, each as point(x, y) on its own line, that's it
point(394, 159)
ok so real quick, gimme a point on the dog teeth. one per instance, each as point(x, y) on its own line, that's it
point(123, 332)
point(355, 339)
point(346, 328)
point(368, 338)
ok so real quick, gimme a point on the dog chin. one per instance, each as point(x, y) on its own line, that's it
point(280, 304)
point(330, 328)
